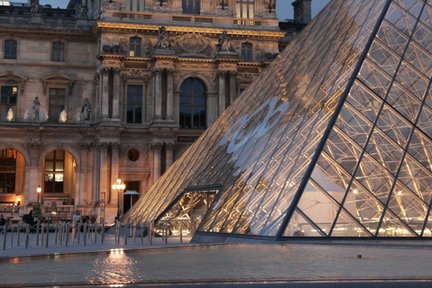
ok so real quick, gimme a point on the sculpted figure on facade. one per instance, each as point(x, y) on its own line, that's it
point(224, 43)
point(34, 7)
point(36, 109)
point(86, 110)
point(63, 116)
point(163, 42)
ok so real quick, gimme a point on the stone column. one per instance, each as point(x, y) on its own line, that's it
point(157, 93)
point(144, 103)
point(233, 87)
point(169, 155)
point(33, 174)
point(221, 102)
point(157, 155)
point(104, 92)
point(170, 94)
point(116, 94)
point(113, 196)
point(103, 171)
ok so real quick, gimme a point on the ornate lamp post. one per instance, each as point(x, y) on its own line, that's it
point(118, 186)
point(38, 191)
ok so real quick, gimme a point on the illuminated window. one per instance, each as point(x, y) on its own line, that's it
point(135, 47)
point(10, 49)
point(54, 171)
point(7, 170)
point(57, 52)
point(192, 104)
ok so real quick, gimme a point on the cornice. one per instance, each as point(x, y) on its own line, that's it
point(250, 33)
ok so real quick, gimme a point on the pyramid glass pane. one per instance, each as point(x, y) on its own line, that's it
point(330, 141)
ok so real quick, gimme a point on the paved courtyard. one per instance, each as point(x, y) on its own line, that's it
point(139, 264)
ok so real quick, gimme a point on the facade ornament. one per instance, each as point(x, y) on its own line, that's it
point(83, 11)
point(63, 116)
point(193, 44)
point(86, 110)
point(34, 7)
point(34, 145)
point(10, 115)
point(163, 42)
point(224, 43)
point(270, 5)
point(36, 109)
point(156, 146)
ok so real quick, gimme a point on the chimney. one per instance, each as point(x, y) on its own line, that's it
point(302, 11)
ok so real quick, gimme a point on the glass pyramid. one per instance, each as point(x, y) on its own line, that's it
point(333, 140)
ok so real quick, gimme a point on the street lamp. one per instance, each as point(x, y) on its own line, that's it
point(38, 190)
point(118, 186)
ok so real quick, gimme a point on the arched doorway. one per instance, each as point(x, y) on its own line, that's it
point(193, 104)
point(59, 178)
point(12, 171)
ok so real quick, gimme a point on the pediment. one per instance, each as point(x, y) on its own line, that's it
point(10, 77)
point(56, 79)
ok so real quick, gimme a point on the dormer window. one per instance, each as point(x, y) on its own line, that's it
point(191, 6)
point(245, 9)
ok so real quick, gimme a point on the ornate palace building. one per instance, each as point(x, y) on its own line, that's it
point(118, 89)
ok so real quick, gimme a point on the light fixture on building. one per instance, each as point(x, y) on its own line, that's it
point(38, 191)
point(118, 186)
point(18, 200)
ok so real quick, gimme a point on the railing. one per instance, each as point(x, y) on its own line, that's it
point(45, 235)
point(226, 21)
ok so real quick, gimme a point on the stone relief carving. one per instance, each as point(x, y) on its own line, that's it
point(193, 44)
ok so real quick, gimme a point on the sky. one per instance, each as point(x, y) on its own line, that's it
point(283, 8)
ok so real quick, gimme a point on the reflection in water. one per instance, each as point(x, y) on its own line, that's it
point(117, 268)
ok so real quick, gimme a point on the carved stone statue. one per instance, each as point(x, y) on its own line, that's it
point(10, 115)
point(224, 43)
point(83, 11)
point(163, 41)
point(36, 108)
point(86, 110)
point(63, 116)
point(34, 7)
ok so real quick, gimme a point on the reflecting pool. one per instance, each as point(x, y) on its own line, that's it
point(244, 262)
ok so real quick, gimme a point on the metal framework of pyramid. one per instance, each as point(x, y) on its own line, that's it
point(333, 140)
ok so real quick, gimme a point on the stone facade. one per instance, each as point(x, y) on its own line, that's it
point(116, 72)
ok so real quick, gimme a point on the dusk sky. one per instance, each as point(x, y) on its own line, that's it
point(284, 7)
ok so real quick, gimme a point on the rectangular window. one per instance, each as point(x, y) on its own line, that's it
point(10, 49)
point(54, 171)
point(134, 104)
point(191, 7)
point(7, 170)
point(58, 52)
point(9, 95)
point(57, 99)
point(8, 100)
point(245, 9)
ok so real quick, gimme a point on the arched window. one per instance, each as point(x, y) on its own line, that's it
point(10, 49)
point(135, 47)
point(246, 52)
point(192, 104)
point(57, 51)
point(191, 6)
